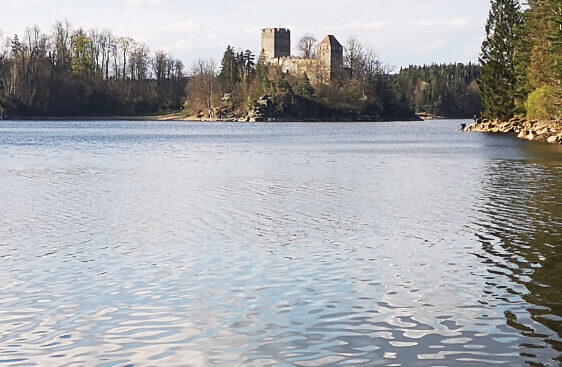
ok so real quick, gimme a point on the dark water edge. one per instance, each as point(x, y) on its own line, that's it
point(177, 117)
point(174, 243)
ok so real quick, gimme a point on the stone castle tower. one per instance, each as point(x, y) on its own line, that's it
point(276, 49)
point(330, 55)
point(276, 43)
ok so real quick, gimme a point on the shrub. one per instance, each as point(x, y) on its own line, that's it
point(541, 103)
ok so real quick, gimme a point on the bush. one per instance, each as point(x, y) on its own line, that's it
point(541, 103)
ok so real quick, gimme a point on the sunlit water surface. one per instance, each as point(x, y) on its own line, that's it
point(190, 244)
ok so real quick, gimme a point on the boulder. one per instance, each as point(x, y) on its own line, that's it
point(552, 139)
point(539, 125)
point(523, 134)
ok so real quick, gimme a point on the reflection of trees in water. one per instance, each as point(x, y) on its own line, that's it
point(519, 225)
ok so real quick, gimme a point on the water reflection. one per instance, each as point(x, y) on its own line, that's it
point(519, 229)
point(328, 244)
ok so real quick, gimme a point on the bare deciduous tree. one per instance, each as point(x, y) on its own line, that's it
point(62, 42)
point(307, 46)
point(354, 55)
point(161, 65)
point(107, 44)
point(139, 61)
point(202, 86)
point(178, 69)
point(124, 44)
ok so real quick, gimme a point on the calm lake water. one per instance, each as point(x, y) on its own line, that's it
point(289, 244)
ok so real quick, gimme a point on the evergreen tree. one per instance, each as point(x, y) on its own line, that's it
point(230, 70)
point(304, 87)
point(16, 45)
point(497, 58)
point(522, 59)
point(448, 90)
point(555, 37)
point(538, 49)
point(249, 64)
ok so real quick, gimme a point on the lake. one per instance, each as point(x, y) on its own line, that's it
point(277, 244)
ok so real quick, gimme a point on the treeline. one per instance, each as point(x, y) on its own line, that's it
point(364, 90)
point(521, 60)
point(75, 72)
point(450, 90)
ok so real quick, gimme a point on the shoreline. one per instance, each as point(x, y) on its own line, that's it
point(166, 117)
point(549, 131)
point(193, 118)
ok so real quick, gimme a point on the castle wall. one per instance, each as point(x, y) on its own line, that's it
point(276, 47)
point(294, 65)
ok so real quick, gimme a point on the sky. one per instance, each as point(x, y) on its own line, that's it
point(402, 32)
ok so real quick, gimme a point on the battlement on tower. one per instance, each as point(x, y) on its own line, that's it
point(275, 43)
point(275, 30)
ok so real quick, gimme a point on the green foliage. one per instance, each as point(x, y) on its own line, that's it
point(521, 58)
point(448, 90)
point(304, 87)
point(82, 61)
point(543, 66)
point(347, 96)
point(230, 73)
point(541, 103)
point(497, 59)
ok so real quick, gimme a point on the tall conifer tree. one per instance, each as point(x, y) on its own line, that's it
point(497, 59)
point(230, 71)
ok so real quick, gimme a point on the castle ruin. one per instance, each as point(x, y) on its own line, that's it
point(328, 64)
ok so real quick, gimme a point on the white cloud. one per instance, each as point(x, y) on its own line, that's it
point(141, 3)
point(362, 25)
point(457, 23)
point(184, 26)
point(429, 47)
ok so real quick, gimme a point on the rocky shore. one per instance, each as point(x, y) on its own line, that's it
point(297, 110)
point(549, 131)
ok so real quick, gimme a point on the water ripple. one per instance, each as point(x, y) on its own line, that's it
point(289, 245)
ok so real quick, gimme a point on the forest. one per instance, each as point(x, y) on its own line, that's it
point(521, 60)
point(447, 90)
point(76, 72)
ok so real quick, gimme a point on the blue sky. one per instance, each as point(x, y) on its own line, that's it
point(401, 32)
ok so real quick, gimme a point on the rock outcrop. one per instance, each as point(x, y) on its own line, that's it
point(294, 109)
point(549, 131)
